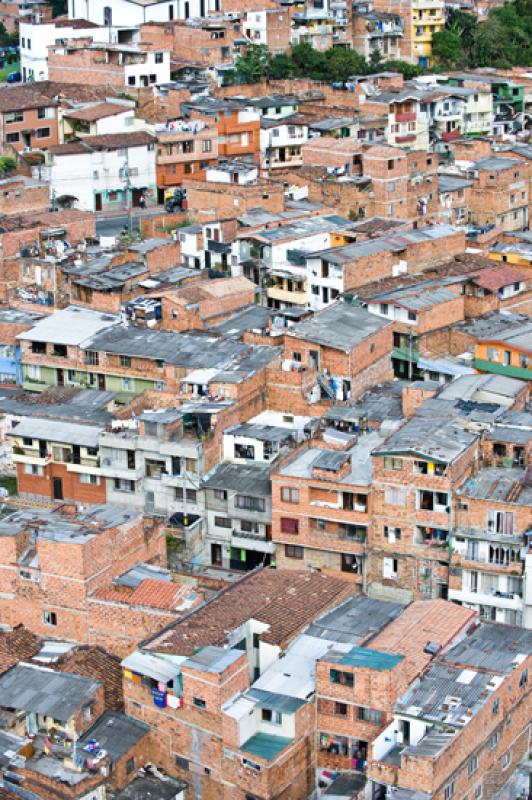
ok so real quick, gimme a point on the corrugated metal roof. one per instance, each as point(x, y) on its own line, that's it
point(43, 691)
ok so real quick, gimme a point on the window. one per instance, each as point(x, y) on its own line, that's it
point(501, 521)
point(350, 563)
point(390, 567)
point(274, 717)
point(206, 146)
point(449, 791)
point(92, 358)
point(27, 442)
point(507, 760)
point(369, 715)
point(391, 533)
point(393, 463)
point(33, 469)
point(130, 765)
point(181, 763)
point(250, 503)
point(94, 480)
point(494, 740)
point(472, 766)
point(289, 525)
point(191, 494)
point(12, 137)
point(222, 522)
point(293, 551)
point(159, 58)
point(340, 709)
point(220, 494)
point(154, 468)
point(131, 80)
point(495, 706)
point(49, 617)
point(198, 702)
point(123, 485)
point(38, 348)
point(478, 792)
point(342, 678)
point(249, 527)
point(395, 497)
point(289, 495)
point(125, 361)
point(14, 116)
point(523, 680)
point(43, 133)
point(42, 113)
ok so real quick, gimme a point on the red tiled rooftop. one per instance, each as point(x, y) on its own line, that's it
point(20, 644)
point(159, 594)
point(285, 600)
point(422, 622)
point(497, 277)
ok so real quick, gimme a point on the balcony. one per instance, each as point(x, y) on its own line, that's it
point(410, 137)
point(446, 115)
point(27, 457)
point(85, 466)
point(498, 599)
point(407, 116)
point(252, 541)
point(111, 469)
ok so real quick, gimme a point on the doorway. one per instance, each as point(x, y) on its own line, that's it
point(97, 202)
point(101, 383)
point(58, 488)
point(60, 377)
point(216, 555)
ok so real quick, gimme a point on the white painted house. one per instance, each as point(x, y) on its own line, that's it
point(97, 170)
point(35, 37)
point(130, 13)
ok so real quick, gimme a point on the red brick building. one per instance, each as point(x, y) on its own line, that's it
point(51, 561)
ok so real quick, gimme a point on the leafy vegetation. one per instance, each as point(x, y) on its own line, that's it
point(335, 64)
point(504, 40)
point(9, 483)
point(7, 164)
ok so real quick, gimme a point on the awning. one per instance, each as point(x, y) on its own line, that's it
point(152, 666)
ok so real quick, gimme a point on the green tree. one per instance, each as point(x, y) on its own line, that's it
point(283, 66)
point(309, 62)
point(447, 48)
point(254, 65)
point(408, 71)
point(340, 63)
point(375, 59)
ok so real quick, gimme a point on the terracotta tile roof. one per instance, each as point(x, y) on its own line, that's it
point(94, 662)
point(209, 290)
point(5, 794)
point(65, 22)
point(20, 644)
point(98, 111)
point(23, 97)
point(422, 622)
point(107, 141)
point(497, 277)
point(159, 594)
point(113, 595)
point(285, 600)
point(90, 661)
